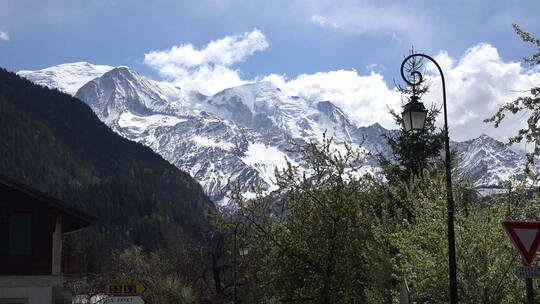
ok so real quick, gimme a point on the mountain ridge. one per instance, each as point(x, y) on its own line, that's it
point(55, 143)
point(243, 132)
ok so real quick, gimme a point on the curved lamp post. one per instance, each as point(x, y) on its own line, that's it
point(243, 251)
point(414, 117)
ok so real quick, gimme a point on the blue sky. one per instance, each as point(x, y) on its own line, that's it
point(120, 32)
point(322, 49)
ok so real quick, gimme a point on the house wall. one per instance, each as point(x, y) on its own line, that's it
point(35, 289)
point(31, 272)
point(27, 295)
point(39, 262)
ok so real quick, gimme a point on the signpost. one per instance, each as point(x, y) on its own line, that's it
point(125, 292)
point(528, 272)
point(124, 289)
point(526, 239)
point(125, 300)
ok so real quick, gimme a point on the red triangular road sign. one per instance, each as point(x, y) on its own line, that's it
point(526, 238)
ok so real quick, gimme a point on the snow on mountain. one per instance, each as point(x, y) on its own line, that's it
point(242, 132)
point(68, 77)
point(265, 108)
point(486, 162)
point(239, 133)
point(122, 90)
point(211, 149)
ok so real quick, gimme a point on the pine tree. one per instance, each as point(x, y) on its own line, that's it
point(412, 151)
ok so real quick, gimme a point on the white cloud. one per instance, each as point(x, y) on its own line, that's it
point(363, 98)
point(477, 85)
point(225, 51)
point(208, 69)
point(4, 35)
point(210, 80)
point(323, 21)
point(360, 17)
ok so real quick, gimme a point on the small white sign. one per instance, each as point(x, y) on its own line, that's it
point(125, 300)
point(527, 272)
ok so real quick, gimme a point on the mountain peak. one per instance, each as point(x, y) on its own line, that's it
point(485, 139)
point(484, 136)
point(121, 72)
point(252, 89)
point(377, 126)
point(66, 77)
point(122, 90)
point(242, 132)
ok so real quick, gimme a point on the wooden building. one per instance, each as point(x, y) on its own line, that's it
point(31, 229)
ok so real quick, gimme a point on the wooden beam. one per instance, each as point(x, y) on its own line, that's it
point(57, 246)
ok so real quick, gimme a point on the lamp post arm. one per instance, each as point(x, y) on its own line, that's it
point(449, 197)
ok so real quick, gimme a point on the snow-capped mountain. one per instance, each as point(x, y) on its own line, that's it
point(240, 133)
point(266, 109)
point(485, 161)
point(121, 90)
point(211, 149)
point(68, 77)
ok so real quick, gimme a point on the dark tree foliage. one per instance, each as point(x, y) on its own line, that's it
point(55, 143)
point(411, 152)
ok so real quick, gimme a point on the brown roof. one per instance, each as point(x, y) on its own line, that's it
point(74, 219)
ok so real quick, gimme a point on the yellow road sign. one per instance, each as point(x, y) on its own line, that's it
point(124, 289)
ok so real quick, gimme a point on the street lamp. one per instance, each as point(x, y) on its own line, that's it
point(414, 116)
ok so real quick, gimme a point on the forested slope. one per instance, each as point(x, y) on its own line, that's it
point(55, 143)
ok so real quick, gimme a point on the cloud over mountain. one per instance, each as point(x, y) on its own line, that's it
point(365, 98)
point(207, 69)
point(477, 83)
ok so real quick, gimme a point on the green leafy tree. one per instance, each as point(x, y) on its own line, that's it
point(164, 282)
point(486, 259)
point(331, 235)
point(217, 268)
point(528, 105)
point(308, 239)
